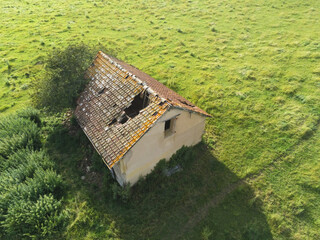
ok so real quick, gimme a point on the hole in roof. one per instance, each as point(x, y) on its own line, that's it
point(155, 114)
point(139, 102)
point(101, 91)
point(123, 119)
point(188, 104)
point(126, 76)
point(113, 121)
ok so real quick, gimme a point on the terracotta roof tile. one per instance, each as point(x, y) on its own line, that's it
point(106, 110)
point(171, 96)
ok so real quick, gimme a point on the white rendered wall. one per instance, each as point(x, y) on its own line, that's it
point(154, 145)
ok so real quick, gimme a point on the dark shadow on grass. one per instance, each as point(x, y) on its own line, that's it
point(163, 207)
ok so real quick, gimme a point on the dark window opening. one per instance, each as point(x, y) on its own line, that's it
point(167, 125)
point(139, 102)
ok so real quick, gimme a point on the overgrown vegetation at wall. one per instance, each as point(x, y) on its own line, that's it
point(31, 190)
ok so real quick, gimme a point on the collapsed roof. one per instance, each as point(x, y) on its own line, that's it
point(120, 104)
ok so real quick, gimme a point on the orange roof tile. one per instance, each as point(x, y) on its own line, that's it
point(105, 102)
point(171, 96)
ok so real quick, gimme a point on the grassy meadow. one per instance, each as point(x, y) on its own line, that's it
point(253, 65)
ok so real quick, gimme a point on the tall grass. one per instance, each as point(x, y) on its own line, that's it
point(17, 133)
point(31, 191)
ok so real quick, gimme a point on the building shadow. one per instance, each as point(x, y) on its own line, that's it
point(203, 201)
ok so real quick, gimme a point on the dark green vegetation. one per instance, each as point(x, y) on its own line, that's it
point(31, 190)
point(159, 207)
point(63, 79)
point(253, 65)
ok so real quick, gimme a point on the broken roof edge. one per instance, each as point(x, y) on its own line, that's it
point(113, 60)
point(121, 157)
point(134, 77)
point(191, 111)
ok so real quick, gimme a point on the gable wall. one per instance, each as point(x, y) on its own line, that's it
point(154, 145)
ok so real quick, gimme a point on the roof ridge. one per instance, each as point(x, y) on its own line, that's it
point(120, 104)
point(177, 101)
point(134, 77)
point(108, 113)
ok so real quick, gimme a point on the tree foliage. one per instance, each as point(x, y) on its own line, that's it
point(63, 79)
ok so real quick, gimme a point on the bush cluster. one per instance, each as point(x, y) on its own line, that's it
point(17, 133)
point(63, 77)
point(31, 191)
point(121, 193)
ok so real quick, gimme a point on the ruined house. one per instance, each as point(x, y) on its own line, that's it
point(132, 120)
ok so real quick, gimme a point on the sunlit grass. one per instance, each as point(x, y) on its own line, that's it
point(253, 65)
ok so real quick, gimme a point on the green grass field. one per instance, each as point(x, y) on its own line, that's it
point(253, 65)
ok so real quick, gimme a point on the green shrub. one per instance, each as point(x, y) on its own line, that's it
point(43, 182)
point(31, 177)
point(31, 114)
point(29, 181)
point(34, 219)
point(17, 133)
point(121, 193)
point(30, 188)
point(63, 77)
point(24, 157)
point(73, 121)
